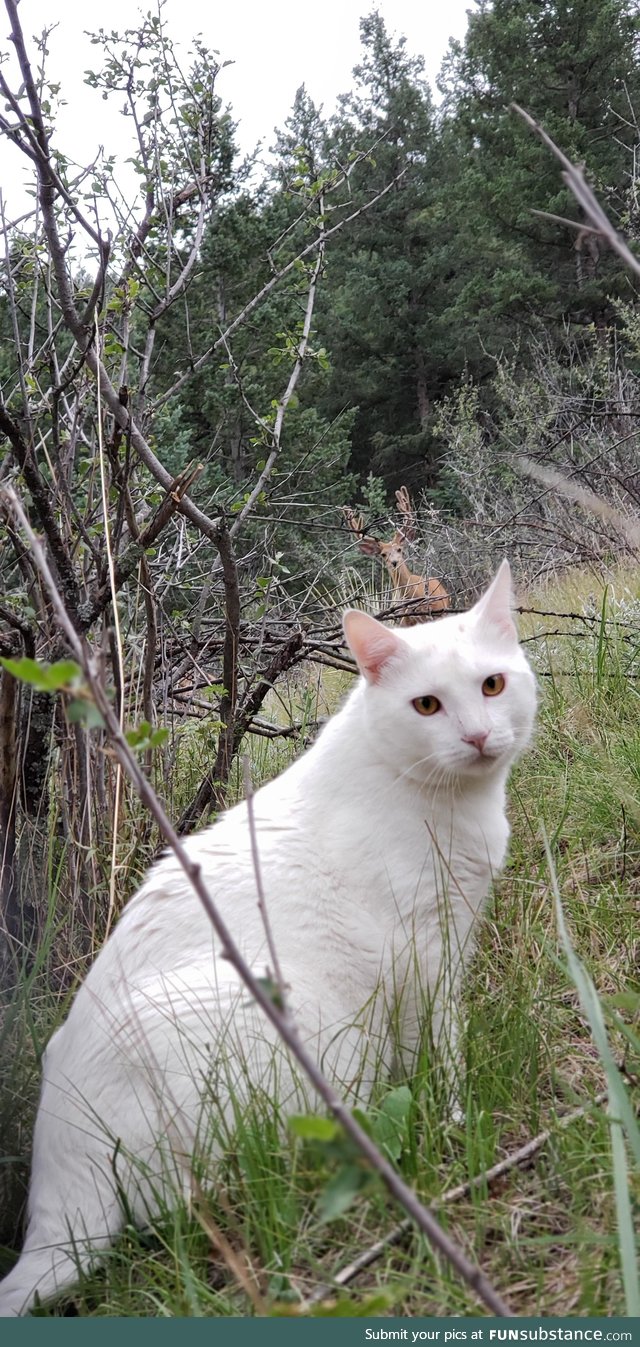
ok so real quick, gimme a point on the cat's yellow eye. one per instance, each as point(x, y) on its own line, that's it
point(493, 685)
point(427, 706)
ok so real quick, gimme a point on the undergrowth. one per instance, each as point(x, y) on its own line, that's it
point(547, 1235)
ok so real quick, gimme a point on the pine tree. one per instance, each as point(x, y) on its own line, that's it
point(573, 64)
point(375, 308)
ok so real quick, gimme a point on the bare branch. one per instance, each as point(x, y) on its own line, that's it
point(266, 290)
point(276, 433)
point(598, 222)
point(35, 134)
point(25, 457)
point(127, 564)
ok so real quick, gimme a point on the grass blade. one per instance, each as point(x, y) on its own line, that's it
point(622, 1119)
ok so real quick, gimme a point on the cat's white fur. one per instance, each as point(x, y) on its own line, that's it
point(377, 849)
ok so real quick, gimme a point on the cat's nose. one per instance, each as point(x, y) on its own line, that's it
point(478, 740)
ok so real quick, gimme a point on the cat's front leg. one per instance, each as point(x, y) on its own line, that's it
point(445, 1033)
point(428, 1038)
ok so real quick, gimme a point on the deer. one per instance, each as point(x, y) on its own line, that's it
point(407, 587)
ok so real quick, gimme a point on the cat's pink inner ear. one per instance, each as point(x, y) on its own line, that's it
point(371, 644)
point(494, 608)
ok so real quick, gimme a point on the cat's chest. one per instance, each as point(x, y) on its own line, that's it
point(415, 855)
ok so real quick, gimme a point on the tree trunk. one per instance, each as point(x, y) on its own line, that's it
point(422, 391)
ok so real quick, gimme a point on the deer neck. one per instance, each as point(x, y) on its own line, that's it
point(401, 577)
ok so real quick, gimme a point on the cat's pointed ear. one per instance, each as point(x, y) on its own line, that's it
point(494, 608)
point(371, 644)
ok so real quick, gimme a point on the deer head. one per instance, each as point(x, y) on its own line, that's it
point(390, 552)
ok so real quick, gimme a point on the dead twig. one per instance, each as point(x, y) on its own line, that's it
point(597, 221)
point(127, 564)
point(301, 351)
point(519, 1158)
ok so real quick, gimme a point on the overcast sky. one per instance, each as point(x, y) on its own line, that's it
point(275, 45)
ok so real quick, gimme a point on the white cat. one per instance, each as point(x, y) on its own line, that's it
point(377, 849)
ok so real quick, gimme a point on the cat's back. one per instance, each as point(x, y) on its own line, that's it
point(164, 931)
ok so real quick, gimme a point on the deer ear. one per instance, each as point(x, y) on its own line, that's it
point(494, 607)
point(370, 547)
point(372, 645)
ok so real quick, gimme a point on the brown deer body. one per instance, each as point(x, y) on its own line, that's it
point(426, 595)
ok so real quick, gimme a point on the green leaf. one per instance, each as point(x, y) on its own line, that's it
point(346, 1307)
point(64, 674)
point(143, 737)
point(139, 735)
point(42, 676)
point(340, 1192)
point(309, 1127)
point(391, 1124)
point(364, 1120)
point(85, 713)
point(272, 990)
